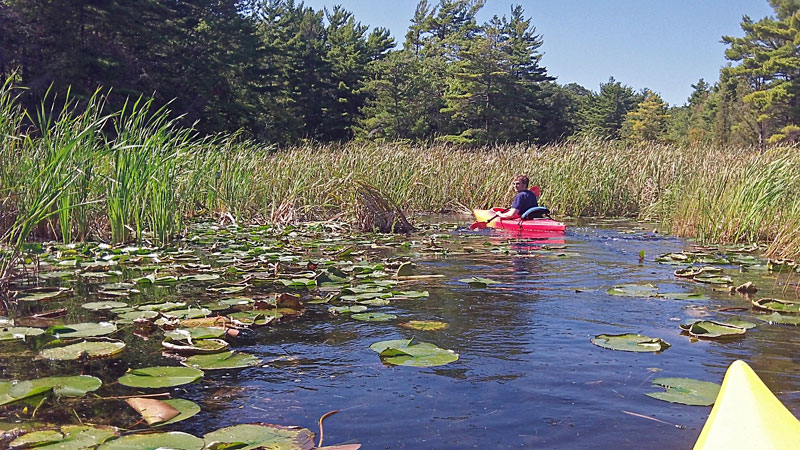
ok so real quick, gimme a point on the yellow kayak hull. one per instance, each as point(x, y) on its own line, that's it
point(747, 415)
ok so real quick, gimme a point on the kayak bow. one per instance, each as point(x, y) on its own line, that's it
point(747, 415)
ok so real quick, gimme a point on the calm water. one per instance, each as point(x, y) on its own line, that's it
point(527, 377)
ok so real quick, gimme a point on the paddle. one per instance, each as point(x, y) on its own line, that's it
point(483, 225)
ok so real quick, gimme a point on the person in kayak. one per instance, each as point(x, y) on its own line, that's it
point(524, 200)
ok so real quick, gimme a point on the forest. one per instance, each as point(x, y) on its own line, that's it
point(282, 73)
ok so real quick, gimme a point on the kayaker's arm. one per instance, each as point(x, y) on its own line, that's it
point(510, 213)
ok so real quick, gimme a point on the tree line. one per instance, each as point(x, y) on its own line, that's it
point(282, 72)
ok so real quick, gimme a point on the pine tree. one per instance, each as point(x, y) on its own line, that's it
point(602, 114)
point(648, 122)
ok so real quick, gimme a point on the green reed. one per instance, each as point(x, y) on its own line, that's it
point(144, 179)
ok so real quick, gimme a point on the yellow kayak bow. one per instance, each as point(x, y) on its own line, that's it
point(747, 415)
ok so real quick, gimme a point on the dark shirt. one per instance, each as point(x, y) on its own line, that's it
point(524, 201)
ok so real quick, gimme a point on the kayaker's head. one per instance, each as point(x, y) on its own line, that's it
point(521, 183)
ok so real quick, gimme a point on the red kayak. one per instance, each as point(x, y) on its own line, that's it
point(538, 225)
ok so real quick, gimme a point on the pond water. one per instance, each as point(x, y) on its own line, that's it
point(527, 375)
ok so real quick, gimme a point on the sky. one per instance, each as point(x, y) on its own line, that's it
point(663, 45)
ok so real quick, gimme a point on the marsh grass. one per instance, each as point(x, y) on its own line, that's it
point(145, 177)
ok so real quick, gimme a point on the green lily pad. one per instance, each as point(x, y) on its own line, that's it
point(254, 436)
point(184, 334)
point(406, 269)
point(69, 437)
point(255, 318)
point(103, 306)
point(12, 333)
point(201, 277)
point(634, 290)
point(224, 360)
point(173, 440)
point(375, 302)
point(90, 349)
point(186, 408)
point(78, 330)
point(38, 294)
point(630, 342)
point(741, 323)
point(478, 282)
point(686, 391)
point(713, 279)
point(130, 316)
point(373, 317)
point(711, 329)
point(161, 307)
point(411, 294)
point(347, 309)
point(188, 313)
point(683, 296)
point(68, 386)
point(198, 346)
point(403, 352)
point(777, 305)
point(425, 325)
point(779, 318)
point(160, 377)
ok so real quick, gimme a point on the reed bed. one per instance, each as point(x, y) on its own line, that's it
point(132, 175)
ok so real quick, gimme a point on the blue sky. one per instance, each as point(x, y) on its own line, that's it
point(663, 45)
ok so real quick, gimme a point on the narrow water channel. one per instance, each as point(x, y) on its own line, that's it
point(527, 374)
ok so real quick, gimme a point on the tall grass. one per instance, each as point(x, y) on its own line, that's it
point(68, 176)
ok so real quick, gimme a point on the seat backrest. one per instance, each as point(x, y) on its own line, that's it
point(537, 191)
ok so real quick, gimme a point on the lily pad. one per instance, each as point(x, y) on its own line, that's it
point(478, 282)
point(173, 440)
point(160, 377)
point(777, 305)
point(741, 323)
point(195, 347)
point(188, 313)
point(68, 437)
point(779, 318)
point(161, 307)
point(38, 294)
point(686, 391)
point(130, 316)
point(712, 278)
point(411, 294)
point(103, 306)
point(90, 349)
point(201, 277)
point(683, 296)
point(404, 352)
point(68, 386)
point(12, 333)
point(78, 330)
point(263, 435)
point(224, 360)
point(405, 269)
point(711, 329)
point(347, 309)
point(195, 333)
point(374, 317)
point(186, 409)
point(425, 325)
point(152, 410)
point(630, 342)
point(634, 290)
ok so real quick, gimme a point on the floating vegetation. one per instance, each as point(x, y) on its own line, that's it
point(425, 325)
point(478, 282)
point(404, 352)
point(709, 329)
point(160, 377)
point(634, 290)
point(60, 386)
point(686, 391)
point(630, 342)
point(777, 305)
point(779, 318)
point(224, 360)
point(84, 349)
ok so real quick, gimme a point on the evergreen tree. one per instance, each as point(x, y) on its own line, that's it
point(648, 122)
point(602, 114)
point(770, 65)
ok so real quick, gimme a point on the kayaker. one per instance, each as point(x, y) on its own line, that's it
point(524, 200)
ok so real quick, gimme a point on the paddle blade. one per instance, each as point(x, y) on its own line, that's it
point(478, 226)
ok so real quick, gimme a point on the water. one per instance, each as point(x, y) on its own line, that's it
point(527, 375)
